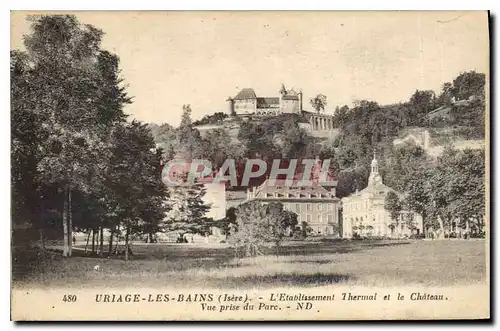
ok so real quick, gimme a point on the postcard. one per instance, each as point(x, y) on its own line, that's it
point(250, 165)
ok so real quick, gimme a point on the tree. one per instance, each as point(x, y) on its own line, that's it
point(258, 139)
point(340, 115)
point(259, 224)
point(421, 103)
point(165, 137)
point(318, 103)
point(294, 140)
point(282, 222)
point(74, 90)
point(134, 178)
point(187, 209)
point(215, 118)
point(189, 144)
point(219, 147)
point(468, 84)
point(27, 135)
point(446, 96)
point(393, 205)
point(459, 188)
point(252, 230)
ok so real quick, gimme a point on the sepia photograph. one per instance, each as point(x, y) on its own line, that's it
point(250, 165)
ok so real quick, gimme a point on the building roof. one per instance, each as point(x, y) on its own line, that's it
point(267, 102)
point(442, 111)
point(246, 94)
point(281, 187)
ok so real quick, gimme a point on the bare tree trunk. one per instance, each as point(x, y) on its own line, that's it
point(126, 242)
point(102, 242)
point(97, 241)
point(467, 227)
point(441, 228)
point(110, 245)
point(70, 225)
point(117, 243)
point(93, 241)
point(87, 244)
point(65, 223)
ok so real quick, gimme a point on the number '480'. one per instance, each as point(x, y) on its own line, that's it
point(69, 298)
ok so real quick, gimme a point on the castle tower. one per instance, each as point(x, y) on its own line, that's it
point(230, 106)
point(282, 94)
point(283, 90)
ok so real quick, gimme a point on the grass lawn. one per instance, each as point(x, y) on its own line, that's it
point(306, 264)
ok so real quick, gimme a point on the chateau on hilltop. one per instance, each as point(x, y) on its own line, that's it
point(246, 102)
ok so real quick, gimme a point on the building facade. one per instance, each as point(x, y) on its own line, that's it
point(313, 204)
point(246, 103)
point(364, 213)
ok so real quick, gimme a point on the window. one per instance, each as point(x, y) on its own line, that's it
point(330, 218)
point(309, 207)
point(319, 218)
point(318, 207)
point(297, 207)
point(308, 218)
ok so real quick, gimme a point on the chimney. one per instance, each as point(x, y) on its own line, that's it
point(300, 101)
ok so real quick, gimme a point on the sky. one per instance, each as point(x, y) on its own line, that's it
point(201, 58)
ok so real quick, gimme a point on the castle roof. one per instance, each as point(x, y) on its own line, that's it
point(246, 94)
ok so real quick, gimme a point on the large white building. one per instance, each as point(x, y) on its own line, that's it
point(364, 212)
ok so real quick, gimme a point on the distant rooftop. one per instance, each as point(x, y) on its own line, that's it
point(245, 94)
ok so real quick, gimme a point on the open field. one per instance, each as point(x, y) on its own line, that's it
point(368, 263)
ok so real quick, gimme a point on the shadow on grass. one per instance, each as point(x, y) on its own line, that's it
point(279, 280)
point(160, 258)
point(332, 247)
